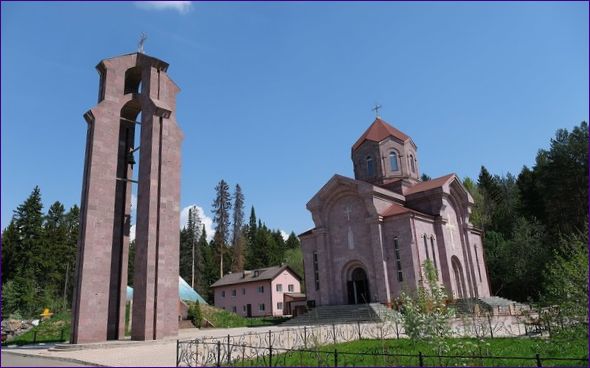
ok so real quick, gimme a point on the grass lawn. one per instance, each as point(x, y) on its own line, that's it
point(55, 329)
point(223, 319)
point(381, 353)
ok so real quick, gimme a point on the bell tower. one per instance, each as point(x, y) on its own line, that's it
point(132, 129)
point(384, 155)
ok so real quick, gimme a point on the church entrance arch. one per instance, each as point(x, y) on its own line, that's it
point(459, 279)
point(358, 287)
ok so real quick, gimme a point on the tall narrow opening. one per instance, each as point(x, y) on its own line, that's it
point(117, 316)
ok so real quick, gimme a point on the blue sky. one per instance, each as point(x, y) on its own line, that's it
point(274, 94)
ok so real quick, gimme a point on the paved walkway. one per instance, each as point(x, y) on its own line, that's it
point(132, 353)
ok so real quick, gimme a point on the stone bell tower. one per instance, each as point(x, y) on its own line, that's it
point(136, 99)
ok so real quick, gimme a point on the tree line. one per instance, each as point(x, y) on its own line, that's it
point(38, 257)
point(536, 223)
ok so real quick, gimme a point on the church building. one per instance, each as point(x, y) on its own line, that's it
point(373, 233)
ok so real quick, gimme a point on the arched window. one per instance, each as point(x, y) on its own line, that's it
point(412, 164)
point(133, 80)
point(393, 161)
point(370, 166)
point(398, 261)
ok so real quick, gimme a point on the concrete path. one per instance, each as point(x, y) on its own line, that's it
point(130, 353)
point(10, 359)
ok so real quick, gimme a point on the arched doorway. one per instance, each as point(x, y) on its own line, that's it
point(358, 287)
point(459, 279)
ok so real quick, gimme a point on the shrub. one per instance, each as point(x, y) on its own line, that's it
point(195, 315)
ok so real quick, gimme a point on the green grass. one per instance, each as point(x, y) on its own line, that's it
point(223, 319)
point(375, 353)
point(47, 331)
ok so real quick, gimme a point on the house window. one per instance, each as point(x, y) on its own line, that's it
point(234, 309)
point(243, 308)
point(393, 161)
point(370, 166)
point(261, 307)
point(261, 289)
point(280, 306)
point(291, 288)
point(426, 247)
point(233, 292)
point(433, 254)
point(279, 287)
point(256, 273)
point(316, 272)
point(398, 261)
point(412, 163)
point(477, 261)
point(223, 294)
point(243, 291)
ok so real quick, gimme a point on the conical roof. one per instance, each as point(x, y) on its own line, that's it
point(378, 131)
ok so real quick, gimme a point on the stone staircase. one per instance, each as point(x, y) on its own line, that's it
point(494, 304)
point(329, 314)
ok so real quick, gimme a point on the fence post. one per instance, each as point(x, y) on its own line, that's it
point(218, 353)
point(61, 336)
point(228, 349)
point(420, 359)
point(270, 355)
point(305, 336)
point(335, 357)
point(358, 325)
point(334, 332)
point(177, 345)
point(490, 324)
point(538, 357)
point(34, 337)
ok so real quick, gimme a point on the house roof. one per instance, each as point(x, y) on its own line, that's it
point(268, 273)
point(378, 131)
point(430, 184)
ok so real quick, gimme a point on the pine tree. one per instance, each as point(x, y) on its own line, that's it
point(238, 241)
point(221, 207)
point(28, 220)
point(202, 280)
point(55, 239)
point(292, 241)
point(252, 226)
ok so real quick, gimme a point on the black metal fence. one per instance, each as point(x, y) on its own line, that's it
point(227, 354)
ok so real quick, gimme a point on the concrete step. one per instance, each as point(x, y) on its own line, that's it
point(329, 314)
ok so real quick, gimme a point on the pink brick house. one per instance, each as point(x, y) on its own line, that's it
point(256, 293)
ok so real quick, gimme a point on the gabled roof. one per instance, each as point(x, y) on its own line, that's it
point(378, 131)
point(268, 273)
point(430, 184)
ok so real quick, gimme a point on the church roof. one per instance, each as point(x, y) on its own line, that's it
point(378, 131)
point(429, 184)
point(268, 273)
point(397, 209)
